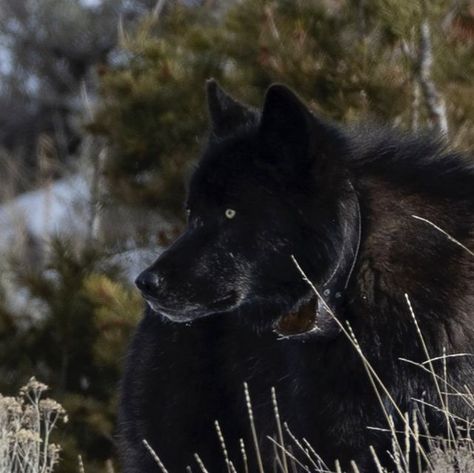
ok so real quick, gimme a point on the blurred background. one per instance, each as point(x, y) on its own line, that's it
point(102, 113)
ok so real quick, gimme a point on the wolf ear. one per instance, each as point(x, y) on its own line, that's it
point(226, 113)
point(287, 128)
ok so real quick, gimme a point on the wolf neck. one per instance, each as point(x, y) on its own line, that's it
point(315, 317)
point(332, 295)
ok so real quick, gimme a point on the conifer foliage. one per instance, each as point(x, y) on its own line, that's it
point(348, 59)
point(72, 335)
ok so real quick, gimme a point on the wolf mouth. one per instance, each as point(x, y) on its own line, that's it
point(223, 303)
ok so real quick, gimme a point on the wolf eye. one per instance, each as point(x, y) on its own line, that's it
point(230, 213)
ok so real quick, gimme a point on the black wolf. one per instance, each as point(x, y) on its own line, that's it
point(369, 214)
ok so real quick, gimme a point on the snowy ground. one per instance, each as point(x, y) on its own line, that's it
point(64, 209)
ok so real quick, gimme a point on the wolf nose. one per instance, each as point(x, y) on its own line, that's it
point(147, 282)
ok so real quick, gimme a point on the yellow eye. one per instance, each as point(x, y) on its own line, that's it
point(230, 213)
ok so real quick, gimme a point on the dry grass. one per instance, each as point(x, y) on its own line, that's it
point(27, 421)
point(454, 453)
point(26, 424)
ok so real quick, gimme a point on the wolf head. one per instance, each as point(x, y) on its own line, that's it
point(268, 187)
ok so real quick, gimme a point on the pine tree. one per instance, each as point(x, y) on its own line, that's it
point(73, 336)
point(349, 60)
